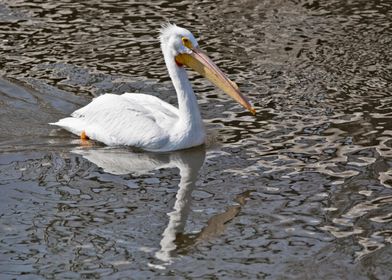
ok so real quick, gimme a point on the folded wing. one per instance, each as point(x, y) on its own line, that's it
point(137, 120)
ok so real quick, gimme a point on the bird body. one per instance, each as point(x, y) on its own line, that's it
point(147, 122)
point(137, 120)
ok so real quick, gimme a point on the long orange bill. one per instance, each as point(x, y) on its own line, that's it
point(201, 63)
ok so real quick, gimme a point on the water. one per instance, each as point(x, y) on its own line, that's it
point(302, 190)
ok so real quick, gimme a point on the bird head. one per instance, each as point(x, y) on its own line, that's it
point(176, 40)
point(180, 45)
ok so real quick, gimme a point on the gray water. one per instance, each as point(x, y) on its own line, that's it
point(301, 191)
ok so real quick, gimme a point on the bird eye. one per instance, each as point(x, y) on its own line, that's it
point(186, 42)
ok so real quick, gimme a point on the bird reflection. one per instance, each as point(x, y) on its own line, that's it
point(189, 162)
point(174, 240)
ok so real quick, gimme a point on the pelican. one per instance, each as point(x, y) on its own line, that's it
point(147, 122)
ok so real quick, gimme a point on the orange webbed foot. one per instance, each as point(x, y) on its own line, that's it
point(83, 136)
point(84, 139)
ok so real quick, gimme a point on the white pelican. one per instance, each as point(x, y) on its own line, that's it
point(147, 122)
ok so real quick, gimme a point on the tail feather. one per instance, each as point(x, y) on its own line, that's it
point(73, 125)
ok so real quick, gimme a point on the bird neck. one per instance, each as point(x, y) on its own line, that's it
point(187, 102)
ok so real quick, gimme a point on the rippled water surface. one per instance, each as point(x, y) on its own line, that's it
point(301, 191)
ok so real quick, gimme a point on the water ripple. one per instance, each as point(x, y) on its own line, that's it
point(303, 188)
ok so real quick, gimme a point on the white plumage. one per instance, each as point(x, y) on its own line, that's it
point(145, 121)
point(137, 120)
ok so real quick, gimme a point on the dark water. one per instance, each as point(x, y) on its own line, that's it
point(301, 191)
